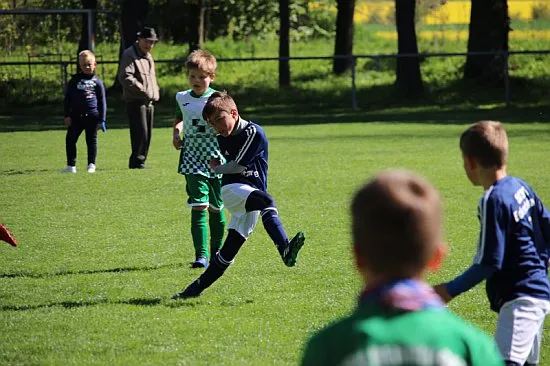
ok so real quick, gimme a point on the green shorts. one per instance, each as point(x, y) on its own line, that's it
point(203, 191)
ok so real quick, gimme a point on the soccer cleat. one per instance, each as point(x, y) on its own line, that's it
point(69, 169)
point(91, 168)
point(6, 236)
point(290, 253)
point(191, 291)
point(201, 262)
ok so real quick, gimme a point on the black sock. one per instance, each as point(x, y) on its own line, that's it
point(263, 202)
point(222, 260)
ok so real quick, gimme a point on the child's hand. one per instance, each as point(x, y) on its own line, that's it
point(442, 292)
point(177, 141)
point(67, 121)
point(214, 162)
point(101, 125)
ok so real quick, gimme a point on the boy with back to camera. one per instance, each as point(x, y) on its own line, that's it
point(85, 109)
point(244, 190)
point(512, 252)
point(397, 236)
point(198, 146)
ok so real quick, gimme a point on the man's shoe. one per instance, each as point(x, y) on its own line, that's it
point(91, 168)
point(191, 291)
point(69, 169)
point(291, 251)
point(201, 262)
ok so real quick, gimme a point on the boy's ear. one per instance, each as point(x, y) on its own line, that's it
point(358, 258)
point(234, 113)
point(212, 76)
point(470, 161)
point(438, 256)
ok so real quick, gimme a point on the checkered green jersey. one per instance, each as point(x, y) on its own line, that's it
point(199, 140)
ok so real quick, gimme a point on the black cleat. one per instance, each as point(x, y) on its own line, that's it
point(291, 251)
point(191, 291)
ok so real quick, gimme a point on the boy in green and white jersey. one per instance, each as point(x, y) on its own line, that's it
point(197, 147)
point(400, 320)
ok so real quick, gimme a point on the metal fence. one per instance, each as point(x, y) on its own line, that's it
point(65, 65)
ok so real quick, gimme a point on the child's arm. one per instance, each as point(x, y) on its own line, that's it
point(101, 105)
point(231, 167)
point(177, 141)
point(467, 280)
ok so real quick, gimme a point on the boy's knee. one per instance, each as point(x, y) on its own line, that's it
point(258, 201)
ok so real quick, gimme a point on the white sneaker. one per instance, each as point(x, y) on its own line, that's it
point(69, 169)
point(91, 168)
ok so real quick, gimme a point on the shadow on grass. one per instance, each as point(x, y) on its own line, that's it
point(23, 171)
point(78, 304)
point(154, 301)
point(458, 101)
point(92, 271)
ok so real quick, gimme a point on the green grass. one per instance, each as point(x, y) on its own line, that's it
point(100, 255)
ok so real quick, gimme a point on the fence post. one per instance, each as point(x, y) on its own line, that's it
point(506, 80)
point(353, 86)
point(30, 74)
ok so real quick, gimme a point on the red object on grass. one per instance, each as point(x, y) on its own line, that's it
point(6, 236)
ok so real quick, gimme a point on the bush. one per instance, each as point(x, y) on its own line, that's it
point(540, 12)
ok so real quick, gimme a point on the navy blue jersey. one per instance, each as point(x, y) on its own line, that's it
point(249, 149)
point(85, 95)
point(514, 238)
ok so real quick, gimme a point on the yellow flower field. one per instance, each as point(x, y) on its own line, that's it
point(461, 35)
point(453, 12)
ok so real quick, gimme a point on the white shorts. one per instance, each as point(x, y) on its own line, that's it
point(519, 329)
point(234, 199)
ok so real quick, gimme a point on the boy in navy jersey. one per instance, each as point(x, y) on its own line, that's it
point(513, 248)
point(244, 190)
point(85, 110)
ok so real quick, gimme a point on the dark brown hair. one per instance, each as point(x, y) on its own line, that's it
point(486, 141)
point(397, 223)
point(218, 101)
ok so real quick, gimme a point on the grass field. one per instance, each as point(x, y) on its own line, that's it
point(100, 255)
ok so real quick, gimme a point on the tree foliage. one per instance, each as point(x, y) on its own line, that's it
point(234, 18)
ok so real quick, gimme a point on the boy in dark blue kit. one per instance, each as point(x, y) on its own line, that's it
point(85, 110)
point(513, 247)
point(244, 190)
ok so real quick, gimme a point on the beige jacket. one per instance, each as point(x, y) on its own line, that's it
point(137, 76)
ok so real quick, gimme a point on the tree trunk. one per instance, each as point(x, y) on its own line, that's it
point(284, 43)
point(343, 45)
point(132, 18)
point(488, 32)
point(87, 42)
point(408, 76)
point(195, 20)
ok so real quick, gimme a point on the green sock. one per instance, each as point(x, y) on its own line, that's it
point(216, 221)
point(198, 232)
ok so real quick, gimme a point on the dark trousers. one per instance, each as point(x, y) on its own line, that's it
point(79, 124)
point(140, 115)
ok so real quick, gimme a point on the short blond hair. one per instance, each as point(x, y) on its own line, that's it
point(487, 142)
point(201, 60)
point(217, 102)
point(397, 223)
point(86, 54)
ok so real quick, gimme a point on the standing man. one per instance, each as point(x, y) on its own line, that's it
point(140, 90)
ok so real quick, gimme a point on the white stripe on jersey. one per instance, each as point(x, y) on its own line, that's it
point(483, 218)
point(251, 132)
